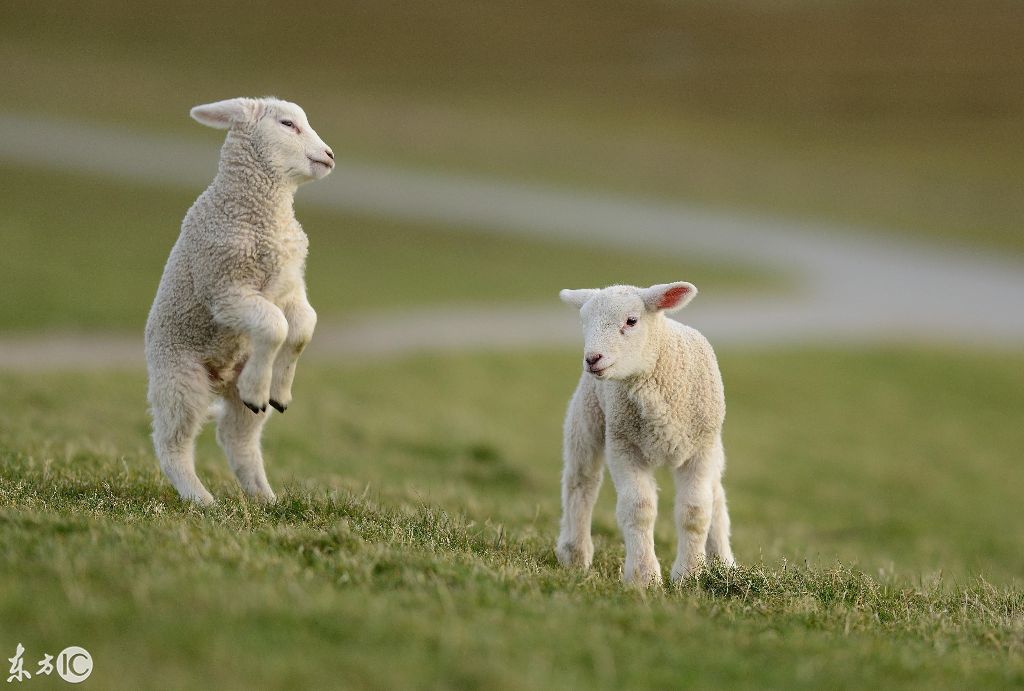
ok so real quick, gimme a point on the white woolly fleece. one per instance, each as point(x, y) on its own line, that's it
point(650, 395)
point(230, 315)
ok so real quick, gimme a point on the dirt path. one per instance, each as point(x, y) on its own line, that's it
point(501, 328)
point(851, 288)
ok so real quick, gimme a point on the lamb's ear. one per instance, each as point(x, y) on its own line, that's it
point(576, 298)
point(223, 114)
point(668, 297)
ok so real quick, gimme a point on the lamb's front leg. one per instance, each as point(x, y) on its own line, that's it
point(267, 328)
point(695, 486)
point(636, 508)
point(301, 322)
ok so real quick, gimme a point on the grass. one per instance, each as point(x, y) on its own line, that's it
point(871, 495)
point(897, 116)
point(93, 258)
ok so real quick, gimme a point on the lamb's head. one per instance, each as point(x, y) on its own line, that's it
point(279, 133)
point(619, 323)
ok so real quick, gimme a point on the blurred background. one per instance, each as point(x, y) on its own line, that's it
point(898, 119)
point(841, 179)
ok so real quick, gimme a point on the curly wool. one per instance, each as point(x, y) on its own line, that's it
point(240, 233)
point(676, 409)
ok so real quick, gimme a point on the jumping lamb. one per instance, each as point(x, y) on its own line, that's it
point(231, 316)
point(650, 395)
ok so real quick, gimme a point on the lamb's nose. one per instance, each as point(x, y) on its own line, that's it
point(592, 359)
point(330, 154)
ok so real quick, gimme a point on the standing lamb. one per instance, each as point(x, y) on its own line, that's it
point(650, 395)
point(231, 316)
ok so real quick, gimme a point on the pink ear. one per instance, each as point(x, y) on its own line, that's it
point(672, 297)
point(668, 296)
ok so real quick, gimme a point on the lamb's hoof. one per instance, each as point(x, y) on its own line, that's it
point(263, 495)
point(254, 408)
point(277, 406)
point(575, 556)
point(200, 497)
point(682, 572)
point(643, 575)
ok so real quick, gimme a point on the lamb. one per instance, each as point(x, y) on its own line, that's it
point(231, 316)
point(651, 394)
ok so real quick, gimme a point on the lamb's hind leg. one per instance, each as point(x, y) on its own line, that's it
point(238, 433)
point(718, 536)
point(179, 397)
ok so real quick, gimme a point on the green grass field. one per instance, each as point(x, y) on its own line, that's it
point(92, 259)
point(898, 116)
point(873, 499)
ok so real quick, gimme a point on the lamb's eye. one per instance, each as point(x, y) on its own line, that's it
point(288, 123)
point(631, 321)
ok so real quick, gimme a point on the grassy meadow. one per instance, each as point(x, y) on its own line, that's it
point(412, 544)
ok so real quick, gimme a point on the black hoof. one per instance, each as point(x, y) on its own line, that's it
point(277, 406)
point(253, 408)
